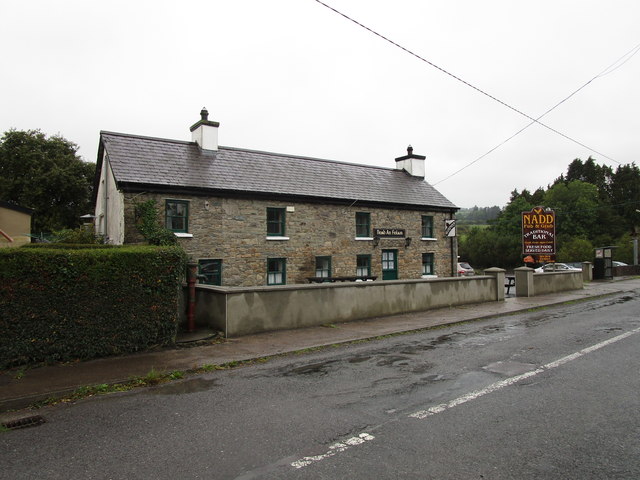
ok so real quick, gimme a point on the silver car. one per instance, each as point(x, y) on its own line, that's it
point(557, 267)
point(465, 270)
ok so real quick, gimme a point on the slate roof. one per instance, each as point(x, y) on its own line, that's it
point(171, 164)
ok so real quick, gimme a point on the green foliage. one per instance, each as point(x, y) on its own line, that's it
point(61, 304)
point(576, 206)
point(78, 236)
point(486, 247)
point(149, 225)
point(477, 215)
point(47, 175)
point(624, 252)
point(575, 250)
point(594, 206)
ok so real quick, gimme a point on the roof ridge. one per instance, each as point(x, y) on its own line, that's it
point(146, 137)
point(249, 150)
point(303, 157)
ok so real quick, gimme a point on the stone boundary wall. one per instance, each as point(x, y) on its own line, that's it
point(530, 284)
point(627, 270)
point(551, 282)
point(240, 311)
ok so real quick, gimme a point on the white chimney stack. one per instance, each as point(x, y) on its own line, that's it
point(205, 132)
point(412, 164)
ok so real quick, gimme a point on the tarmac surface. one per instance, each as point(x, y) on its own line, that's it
point(21, 388)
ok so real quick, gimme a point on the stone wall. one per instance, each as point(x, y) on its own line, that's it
point(240, 311)
point(234, 230)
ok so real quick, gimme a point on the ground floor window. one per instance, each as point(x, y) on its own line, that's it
point(427, 264)
point(323, 267)
point(363, 265)
point(276, 271)
point(210, 272)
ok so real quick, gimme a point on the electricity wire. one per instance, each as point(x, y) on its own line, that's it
point(410, 52)
point(626, 57)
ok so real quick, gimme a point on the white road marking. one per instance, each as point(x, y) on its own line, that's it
point(365, 437)
point(421, 414)
point(333, 450)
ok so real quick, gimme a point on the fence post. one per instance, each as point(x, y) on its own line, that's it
point(499, 275)
point(587, 272)
point(524, 282)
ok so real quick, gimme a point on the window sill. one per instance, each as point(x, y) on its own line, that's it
point(277, 239)
point(429, 276)
point(364, 238)
point(429, 239)
point(183, 235)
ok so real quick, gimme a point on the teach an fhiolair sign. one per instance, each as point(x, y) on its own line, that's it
point(539, 232)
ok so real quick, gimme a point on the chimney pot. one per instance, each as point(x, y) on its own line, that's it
point(204, 114)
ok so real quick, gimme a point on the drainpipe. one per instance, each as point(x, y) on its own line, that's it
point(454, 253)
point(192, 275)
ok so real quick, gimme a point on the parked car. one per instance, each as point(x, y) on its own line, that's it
point(557, 267)
point(465, 270)
point(618, 264)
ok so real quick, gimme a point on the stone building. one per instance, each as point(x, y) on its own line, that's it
point(253, 218)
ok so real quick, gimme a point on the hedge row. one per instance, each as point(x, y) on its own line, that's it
point(60, 304)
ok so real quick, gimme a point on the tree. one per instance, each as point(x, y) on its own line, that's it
point(47, 175)
point(576, 250)
point(625, 194)
point(576, 205)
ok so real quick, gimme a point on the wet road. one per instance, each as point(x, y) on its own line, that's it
point(549, 394)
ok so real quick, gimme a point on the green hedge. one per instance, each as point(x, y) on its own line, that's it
point(60, 304)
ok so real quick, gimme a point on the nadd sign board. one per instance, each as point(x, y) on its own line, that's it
point(539, 232)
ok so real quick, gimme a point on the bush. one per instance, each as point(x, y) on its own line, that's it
point(149, 225)
point(77, 236)
point(60, 304)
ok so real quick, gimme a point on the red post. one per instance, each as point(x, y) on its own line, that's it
point(192, 271)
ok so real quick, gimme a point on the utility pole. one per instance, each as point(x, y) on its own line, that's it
point(635, 243)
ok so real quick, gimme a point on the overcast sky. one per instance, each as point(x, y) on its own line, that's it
point(291, 76)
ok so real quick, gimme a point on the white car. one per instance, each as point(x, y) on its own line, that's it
point(557, 267)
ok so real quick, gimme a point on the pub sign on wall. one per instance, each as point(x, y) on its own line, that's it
point(389, 232)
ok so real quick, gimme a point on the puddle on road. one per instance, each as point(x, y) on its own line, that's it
point(393, 360)
point(311, 369)
point(192, 385)
point(359, 359)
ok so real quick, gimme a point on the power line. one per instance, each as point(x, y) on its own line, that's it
point(533, 120)
point(624, 59)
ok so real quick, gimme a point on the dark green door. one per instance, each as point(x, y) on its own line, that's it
point(389, 264)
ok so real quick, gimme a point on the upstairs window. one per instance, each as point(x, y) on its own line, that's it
point(177, 215)
point(275, 222)
point(427, 226)
point(363, 224)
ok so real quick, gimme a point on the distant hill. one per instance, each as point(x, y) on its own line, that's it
point(477, 215)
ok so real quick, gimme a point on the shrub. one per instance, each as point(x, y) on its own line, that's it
point(61, 304)
point(77, 236)
point(149, 225)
